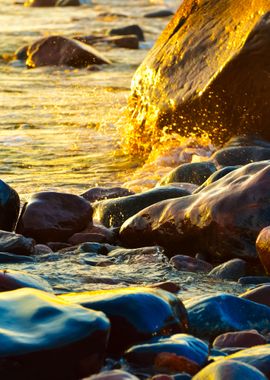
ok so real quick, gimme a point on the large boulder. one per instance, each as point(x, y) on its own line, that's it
point(223, 219)
point(205, 74)
point(62, 51)
point(51, 216)
point(43, 337)
point(9, 207)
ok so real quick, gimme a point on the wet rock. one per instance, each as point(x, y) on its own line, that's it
point(12, 258)
point(143, 256)
point(62, 51)
point(232, 156)
point(175, 88)
point(248, 338)
point(51, 3)
point(37, 329)
point(247, 140)
point(222, 220)
point(115, 374)
point(57, 245)
point(84, 237)
point(9, 207)
point(169, 286)
point(216, 176)
point(136, 314)
point(126, 42)
point(196, 172)
point(182, 345)
point(15, 243)
point(231, 369)
point(254, 280)
point(159, 14)
point(113, 213)
point(42, 249)
point(258, 357)
point(231, 270)
point(12, 279)
point(51, 216)
point(100, 193)
point(21, 53)
point(261, 295)
point(190, 264)
point(172, 363)
point(212, 316)
point(128, 30)
point(189, 187)
point(263, 248)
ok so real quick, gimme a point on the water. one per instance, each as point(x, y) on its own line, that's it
point(61, 129)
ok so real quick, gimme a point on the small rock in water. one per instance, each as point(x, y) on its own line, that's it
point(169, 286)
point(243, 339)
point(42, 249)
point(159, 14)
point(190, 264)
point(16, 243)
point(128, 30)
point(101, 193)
point(247, 280)
point(11, 280)
point(115, 374)
point(9, 207)
point(231, 270)
point(51, 3)
point(21, 53)
point(261, 295)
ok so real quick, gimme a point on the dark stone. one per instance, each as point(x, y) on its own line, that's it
point(263, 248)
point(37, 329)
point(127, 42)
point(136, 314)
point(146, 254)
point(229, 370)
point(128, 30)
point(50, 216)
point(100, 193)
point(62, 51)
point(9, 207)
point(190, 264)
point(247, 140)
point(261, 295)
point(115, 374)
point(222, 220)
point(232, 156)
point(51, 3)
point(216, 176)
point(11, 258)
point(248, 338)
point(57, 245)
point(212, 316)
point(254, 280)
point(169, 286)
point(15, 243)
point(199, 76)
point(12, 279)
point(160, 13)
point(196, 172)
point(21, 53)
point(231, 270)
point(114, 212)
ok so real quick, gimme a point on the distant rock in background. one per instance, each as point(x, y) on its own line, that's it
point(51, 3)
point(128, 30)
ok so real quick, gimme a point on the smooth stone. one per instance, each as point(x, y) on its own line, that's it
point(37, 328)
point(263, 248)
point(195, 172)
point(51, 216)
point(136, 314)
point(229, 370)
point(13, 279)
point(128, 30)
point(247, 140)
point(215, 315)
point(182, 376)
point(248, 338)
point(21, 53)
point(14, 258)
point(231, 270)
point(162, 377)
point(222, 220)
point(126, 42)
point(183, 345)
point(169, 286)
point(191, 83)
point(83, 237)
point(232, 156)
point(190, 264)
point(258, 357)
point(172, 363)
point(42, 249)
point(216, 176)
point(254, 280)
point(159, 14)
point(16, 243)
point(57, 245)
point(9, 207)
point(51, 3)
point(115, 374)
point(114, 212)
point(261, 295)
point(145, 254)
point(62, 51)
point(100, 193)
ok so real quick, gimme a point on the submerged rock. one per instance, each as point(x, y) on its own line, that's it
point(128, 30)
point(136, 314)
point(12, 279)
point(100, 193)
point(51, 216)
point(9, 207)
point(248, 338)
point(51, 3)
point(15, 243)
point(190, 264)
point(160, 13)
point(222, 219)
point(231, 270)
point(205, 74)
point(38, 328)
point(62, 51)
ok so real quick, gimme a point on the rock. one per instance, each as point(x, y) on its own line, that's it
point(247, 280)
point(261, 295)
point(248, 338)
point(247, 140)
point(162, 377)
point(169, 286)
point(190, 264)
point(50, 216)
point(57, 245)
point(159, 14)
point(12, 258)
point(231, 270)
point(100, 193)
point(189, 187)
point(15, 243)
point(181, 345)
point(127, 31)
point(136, 314)
point(115, 374)
point(113, 213)
point(38, 328)
point(62, 51)
point(196, 172)
point(172, 363)
point(229, 370)
point(51, 3)
point(9, 207)
point(42, 249)
point(215, 315)
point(216, 176)
point(222, 220)
point(232, 156)
point(263, 248)
point(126, 42)
point(93, 233)
point(197, 77)
point(21, 53)
point(12, 279)
point(258, 357)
